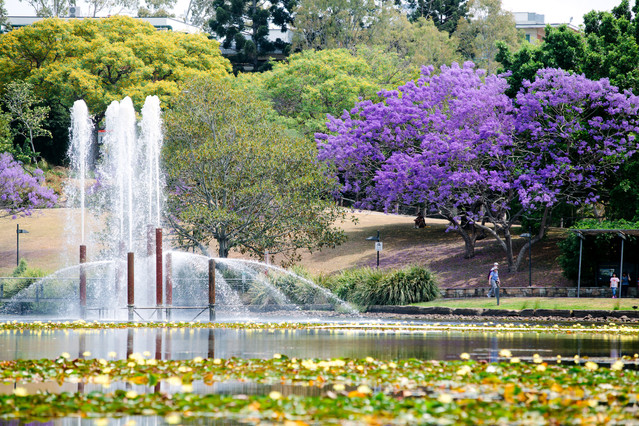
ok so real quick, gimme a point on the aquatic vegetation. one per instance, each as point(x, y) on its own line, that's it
point(362, 390)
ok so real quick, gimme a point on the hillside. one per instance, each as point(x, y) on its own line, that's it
point(44, 245)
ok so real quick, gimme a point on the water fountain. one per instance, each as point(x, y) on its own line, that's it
point(118, 194)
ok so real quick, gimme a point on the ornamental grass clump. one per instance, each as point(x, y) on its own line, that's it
point(412, 284)
point(409, 285)
point(366, 286)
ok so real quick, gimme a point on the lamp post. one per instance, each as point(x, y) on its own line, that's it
point(18, 232)
point(529, 236)
point(378, 245)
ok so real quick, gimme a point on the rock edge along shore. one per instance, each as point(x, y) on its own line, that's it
point(501, 314)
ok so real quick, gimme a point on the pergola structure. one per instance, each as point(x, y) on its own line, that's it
point(622, 233)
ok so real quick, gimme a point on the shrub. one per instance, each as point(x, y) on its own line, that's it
point(405, 286)
point(17, 283)
point(366, 286)
point(409, 285)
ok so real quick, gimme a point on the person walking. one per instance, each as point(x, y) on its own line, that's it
point(625, 283)
point(614, 285)
point(493, 280)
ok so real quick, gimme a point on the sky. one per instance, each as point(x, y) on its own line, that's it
point(555, 11)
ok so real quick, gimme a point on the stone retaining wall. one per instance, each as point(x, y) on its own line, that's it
point(506, 313)
point(461, 293)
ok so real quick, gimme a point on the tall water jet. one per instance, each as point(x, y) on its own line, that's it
point(151, 138)
point(130, 172)
point(81, 133)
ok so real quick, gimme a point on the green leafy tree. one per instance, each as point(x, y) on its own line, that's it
point(6, 138)
point(313, 84)
point(415, 43)
point(562, 48)
point(244, 26)
point(29, 116)
point(488, 23)
point(607, 48)
point(333, 24)
point(444, 13)
point(4, 22)
point(251, 186)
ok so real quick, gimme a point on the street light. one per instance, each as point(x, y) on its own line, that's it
point(529, 236)
point(18, 232)
point(378, 245)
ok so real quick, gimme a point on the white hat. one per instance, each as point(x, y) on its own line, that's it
point(496, 264)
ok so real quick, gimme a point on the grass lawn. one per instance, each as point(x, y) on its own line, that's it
point(569, 303)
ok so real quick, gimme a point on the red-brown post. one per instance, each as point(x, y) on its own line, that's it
point(168, 295)
point(158, 266)
point(150, 245)
point(211, 351)
point(211, 290)
point(130, 283)
point(129, 343)
point(158, 344)
point(83, 282)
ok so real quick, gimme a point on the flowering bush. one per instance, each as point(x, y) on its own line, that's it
point(21, 192)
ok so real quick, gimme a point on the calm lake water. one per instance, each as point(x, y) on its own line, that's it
point(384, 344)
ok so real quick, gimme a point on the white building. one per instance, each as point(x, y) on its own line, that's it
point(534, 27)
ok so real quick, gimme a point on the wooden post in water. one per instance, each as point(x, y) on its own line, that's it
point(150, 279)
point(211, 290)
point(211, 351)
point(168, 295)
point(129, 343)
point(158, 344)
point(83, 282)
point(130, 283)
point(158, 270)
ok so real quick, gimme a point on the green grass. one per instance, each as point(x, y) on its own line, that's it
point(519, 303)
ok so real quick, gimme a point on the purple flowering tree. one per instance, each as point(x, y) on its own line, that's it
point(455, 143)
point(20, 191)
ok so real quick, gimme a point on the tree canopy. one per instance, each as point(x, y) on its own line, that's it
point(446, 14)
point(455, 143)
point(245, 26)
point(487, 24)
point(607, 48)
point(251, 185)
point(313, 84)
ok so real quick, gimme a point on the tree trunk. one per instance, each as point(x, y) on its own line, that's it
point(257, 47)
point(224, 247)
point(469, 241)
point(508, 242)
point(537, 238)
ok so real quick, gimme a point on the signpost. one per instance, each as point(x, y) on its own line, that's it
point(18, 232)
point(378, 245)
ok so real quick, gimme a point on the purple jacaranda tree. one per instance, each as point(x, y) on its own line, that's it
point(20, 191)
point(455, 143)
